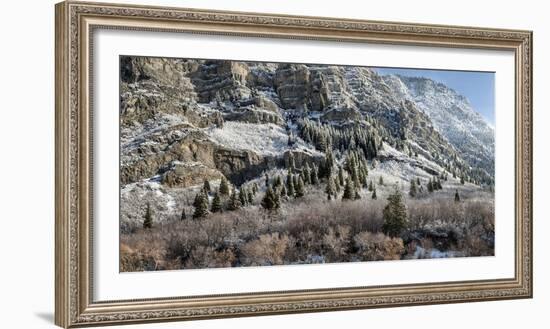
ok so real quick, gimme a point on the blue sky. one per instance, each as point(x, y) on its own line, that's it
point(478, 87)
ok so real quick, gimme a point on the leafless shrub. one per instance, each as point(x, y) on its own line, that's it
point(268, 249)
point(378, 246)
point(336, 243)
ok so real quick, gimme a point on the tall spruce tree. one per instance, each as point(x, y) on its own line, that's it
point(148, 218)
point(349, 190)
point(370, 186)
point(412, 189)
point(271, 200)
point(374, 193)
point(457, 197)
point(224, 187)
point(330, 189)
point(206, 186)
point(234, 202)
point(290, 185)
point(394, 215)
point(314, 175)
point(307, 174)
point(300, 189)
point(381, 181)
point(201, 205)
point(243, 199)
point(216, 203)
point(430, 186)
point(341, 181)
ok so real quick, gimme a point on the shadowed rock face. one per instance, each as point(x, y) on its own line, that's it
point(168, 108)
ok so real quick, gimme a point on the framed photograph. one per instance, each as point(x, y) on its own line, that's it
point(219, 164)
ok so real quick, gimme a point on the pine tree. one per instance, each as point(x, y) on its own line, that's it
point(148, 218)
point(356, 196)
point(314, 175)
point(381, 181)
point(266, 180)
point(457, 197)
point(243, 199)
point(183, 215)
point(234, 202)
point(224, 187)
point(300, 190)
point(283, 191)
point(254, 188)
point(216, 203)
point(290, 185)
point(412, 190)
point(278, 182)
point(348, 190)
point(201, 205)
point(250, 196)
point(430, 186)
point(206, 186)
point(341, 181)
point(462, 180)
point(370, 186)
point(418, 181)
point(374, 194)
point(394, 214)
point(307, 174)
point(270, 200)
point(330, 189)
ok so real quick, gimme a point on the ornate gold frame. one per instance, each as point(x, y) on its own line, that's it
point(75, 21)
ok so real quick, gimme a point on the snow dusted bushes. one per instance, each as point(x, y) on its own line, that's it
point(465, 228)
point(312, 232)
point(268, 249)
point(378, 246)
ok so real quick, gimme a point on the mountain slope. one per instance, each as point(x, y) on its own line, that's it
point(452, 115)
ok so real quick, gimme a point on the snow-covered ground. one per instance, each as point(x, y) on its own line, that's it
point(264, 139)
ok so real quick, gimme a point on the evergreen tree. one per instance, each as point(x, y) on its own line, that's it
point(270, 201)
point(418, 181)
point(374, 194)
point(278, 182)
point(314, 175)
point(300, 190)
point(348, 190)
point(462, 180)
point(216, 203)
point(370, 186)
point(412, 190)
point(183, 215)
point(381, 181)
point(250, 196)
point(283, 190)
point(206, 186)
point(290, 185)
point(341, 181)
point(357, 196)
point(224, 187)
point(430, 186)
point(330, 189)
point(307, 174)
point(201, 205)
point(266, 180)
point(234, 202)
point(254, 188)
point(243, 199)
point(328, 164)
point(148, 218)
point(457, 197)
point(394, 214)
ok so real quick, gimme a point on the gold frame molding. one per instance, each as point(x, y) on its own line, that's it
point(75, 22)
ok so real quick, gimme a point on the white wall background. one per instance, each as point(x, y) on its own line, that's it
point(27, 162)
